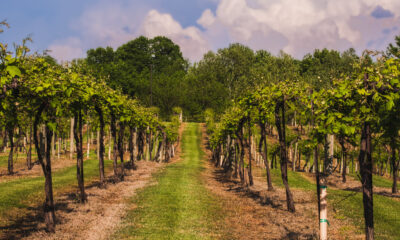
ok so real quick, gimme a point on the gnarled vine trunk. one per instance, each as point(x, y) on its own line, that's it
point(140, 144)
point(29, 152)
point(365, 161)
point(280, 125)
point(132, 143)
point(264, 154)
point(241, 158)
point(121, 148)
point(71, 141)
point(78, 136)
point(344, 167)
point(115, 145)
point(48, 206)
point(366, 167)
point(101, 146)
point(250, 156)
point(10, 133)
point(394, 164)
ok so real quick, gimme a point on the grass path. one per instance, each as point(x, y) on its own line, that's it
point(178, 205)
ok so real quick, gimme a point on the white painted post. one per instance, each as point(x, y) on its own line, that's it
point(323, 221)
point(24, 144)
point(58, 148)
point(109, 144)
point(294, 159)
point(98, 143)
point(71, 141)
point(88, 141)
point(331, 138)
point(134, 145)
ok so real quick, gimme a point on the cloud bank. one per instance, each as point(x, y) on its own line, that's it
point(297, 27)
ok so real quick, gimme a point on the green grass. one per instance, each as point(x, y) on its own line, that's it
point(19, 194)
point(179, 206)
point(296, 180)
point(21, 160)
point(3, 160)
point(348, 205)
point(378, 181)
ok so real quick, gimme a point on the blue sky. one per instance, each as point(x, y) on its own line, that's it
point(69, 28)
point(49, 20)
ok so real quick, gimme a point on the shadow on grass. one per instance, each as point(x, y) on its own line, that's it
point(297, 235)
point(381, 193)
point(27, 224)
point(234, 185)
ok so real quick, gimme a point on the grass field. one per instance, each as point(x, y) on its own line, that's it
point(20, 194)
point(178, 206)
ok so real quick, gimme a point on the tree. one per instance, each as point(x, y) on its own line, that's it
point(324, 65)
point(147, 66)
point(203, 87)
point(236, 62)
point(393, 50)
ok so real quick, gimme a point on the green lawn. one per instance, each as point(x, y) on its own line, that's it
point(179, 206)
point(19, 194)
point(295, 179)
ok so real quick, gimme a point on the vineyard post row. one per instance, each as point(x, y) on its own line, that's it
point(356, 109)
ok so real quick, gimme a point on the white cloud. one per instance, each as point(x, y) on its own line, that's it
point(304, 24)
point(206, 19)
point(297, 27)
point(190, 39)
point(67, 50)
point(112, 24)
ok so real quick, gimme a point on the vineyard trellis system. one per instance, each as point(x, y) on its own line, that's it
point(39, 99)
point(356, 109)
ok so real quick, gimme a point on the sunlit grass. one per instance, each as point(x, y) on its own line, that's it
point(178, 206)
point(21, 193)
point(348, 205)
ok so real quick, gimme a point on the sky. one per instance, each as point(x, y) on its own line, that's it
point(68, 28)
